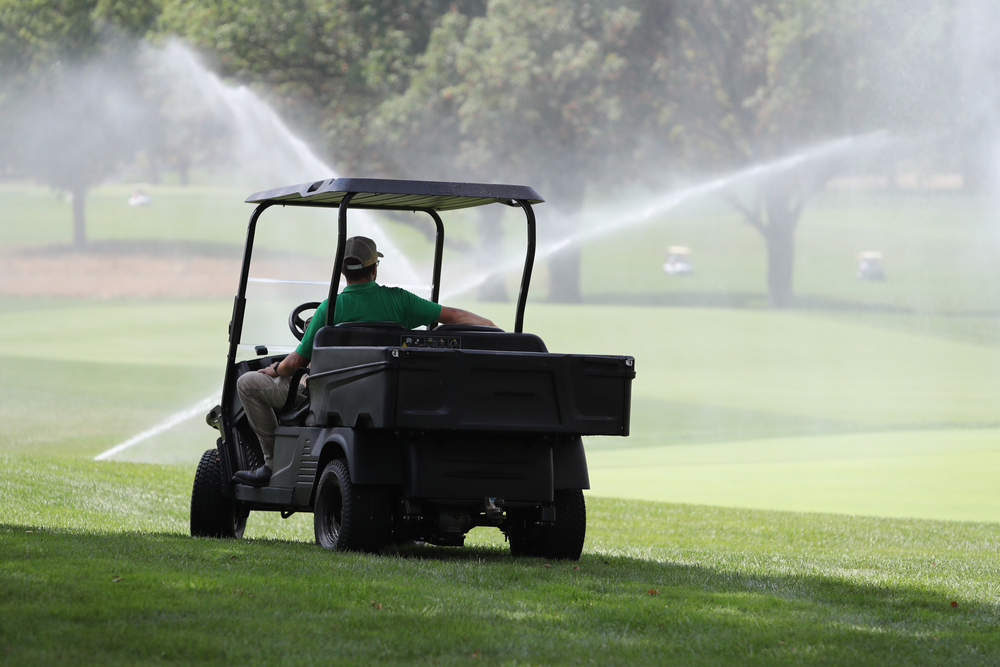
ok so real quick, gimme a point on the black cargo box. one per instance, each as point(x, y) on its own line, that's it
point(442, 388)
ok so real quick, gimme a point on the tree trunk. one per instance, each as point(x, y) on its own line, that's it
point(782, 217)
point(490, 250)
point(780, 265)
point(564, 265)
point(78, 193)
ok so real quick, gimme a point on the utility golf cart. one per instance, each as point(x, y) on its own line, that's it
point(678, 261)
point(416, 435)
point(870, 266)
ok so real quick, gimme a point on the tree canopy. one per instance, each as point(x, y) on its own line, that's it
point(561, 94)
point(65, 118)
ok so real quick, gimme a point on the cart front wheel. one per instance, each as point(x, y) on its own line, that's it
point(212, 514)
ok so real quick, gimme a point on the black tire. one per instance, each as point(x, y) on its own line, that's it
point(212, 514)
point(348, 516)
point(524, 536)
point(563, 540)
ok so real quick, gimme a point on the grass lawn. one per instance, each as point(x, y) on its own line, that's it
point(791, 411)
point(947, 474)
point(97, 570)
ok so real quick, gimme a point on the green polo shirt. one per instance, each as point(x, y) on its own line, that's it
point(370, 302)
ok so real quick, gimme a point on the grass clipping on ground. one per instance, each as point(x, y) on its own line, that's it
point(98, 569)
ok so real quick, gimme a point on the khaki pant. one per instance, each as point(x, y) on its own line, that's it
point(261, 395)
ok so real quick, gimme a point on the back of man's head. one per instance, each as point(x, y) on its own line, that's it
point(360, 258)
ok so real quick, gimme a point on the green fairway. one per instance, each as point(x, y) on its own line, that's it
point(796, 411)
point(886, 416)
point(931, 474)
point(79, 377)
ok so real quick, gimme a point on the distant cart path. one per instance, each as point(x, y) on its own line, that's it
point(104, 276)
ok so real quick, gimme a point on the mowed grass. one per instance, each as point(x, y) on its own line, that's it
point(97, 570)
point(793, 411)
point(36, 216)
point(81, 376)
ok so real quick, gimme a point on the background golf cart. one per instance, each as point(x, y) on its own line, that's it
point(678, 261)
point(870, 266)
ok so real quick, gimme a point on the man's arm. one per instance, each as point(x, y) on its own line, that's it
point(459, 316)
point(288, 365)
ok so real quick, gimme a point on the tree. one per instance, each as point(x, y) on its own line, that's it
point(764, 80)
point(71, 106)
point(551, 95)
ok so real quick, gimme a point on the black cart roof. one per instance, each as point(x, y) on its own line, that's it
point(396, 195)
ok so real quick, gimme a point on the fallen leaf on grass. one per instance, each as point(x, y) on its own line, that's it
point(954, 603)
point(377, 605)
point(475, 654)
point(546, 565)
point(653, 591)
point(232, 558)
point(116, 580)
point(576, 567)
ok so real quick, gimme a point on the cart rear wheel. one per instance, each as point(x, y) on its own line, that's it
point(348, 516)
point(564, 539)
point(212, 514)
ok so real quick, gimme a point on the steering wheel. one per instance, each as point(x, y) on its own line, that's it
point(295, 321)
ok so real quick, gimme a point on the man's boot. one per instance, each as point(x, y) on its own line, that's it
point(258, 477)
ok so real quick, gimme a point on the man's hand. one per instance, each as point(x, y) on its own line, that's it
point(287, 367)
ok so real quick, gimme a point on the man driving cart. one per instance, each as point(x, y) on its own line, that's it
point(363, 300)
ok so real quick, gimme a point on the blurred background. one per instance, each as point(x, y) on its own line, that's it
point(787, 210)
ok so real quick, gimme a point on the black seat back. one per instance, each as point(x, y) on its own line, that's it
point(479, 338)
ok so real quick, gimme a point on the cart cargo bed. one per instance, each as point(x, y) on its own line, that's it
point(441, 382)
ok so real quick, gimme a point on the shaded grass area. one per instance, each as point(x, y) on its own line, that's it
point(115, 581)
